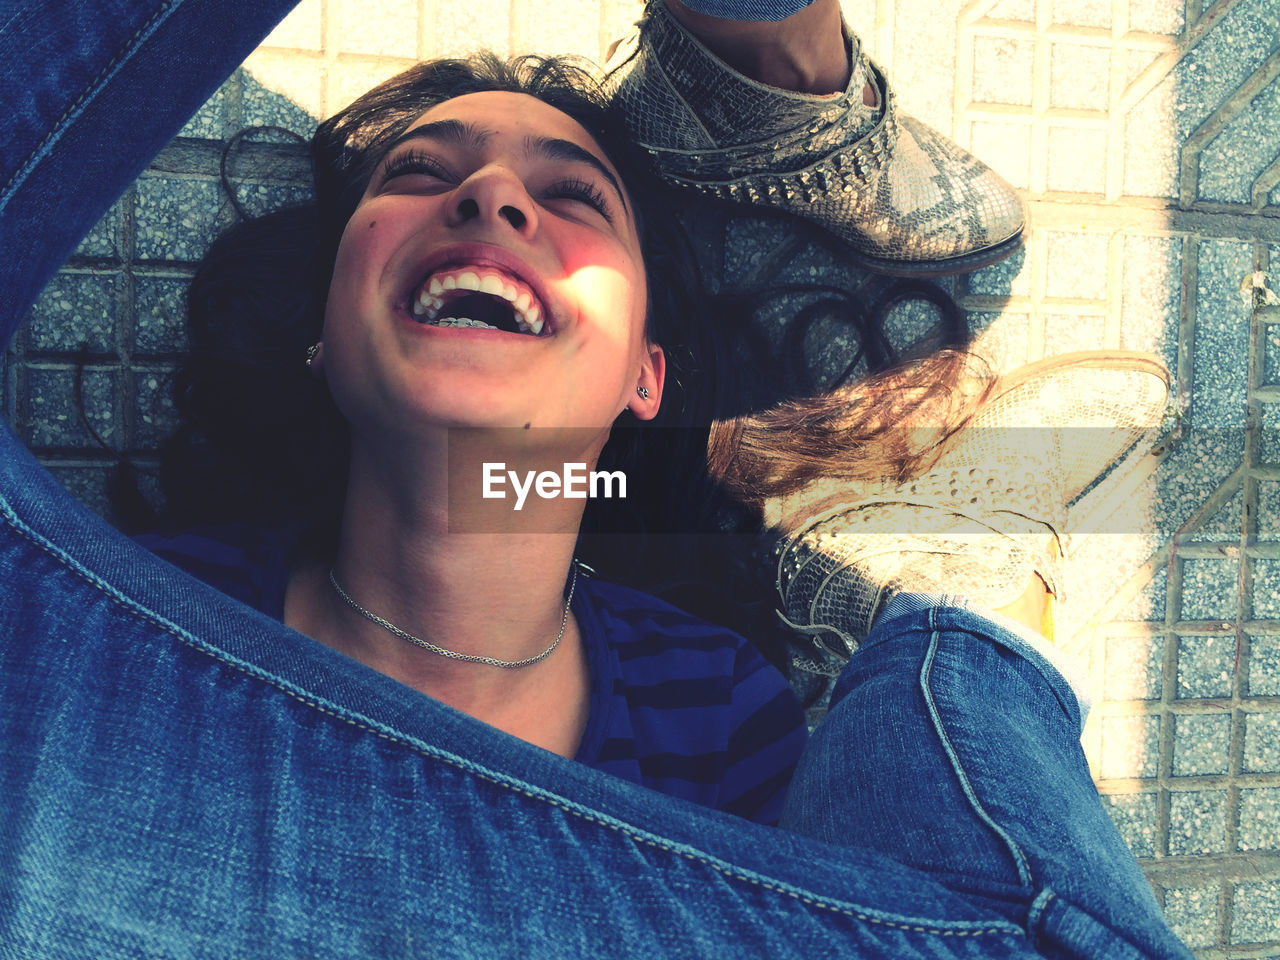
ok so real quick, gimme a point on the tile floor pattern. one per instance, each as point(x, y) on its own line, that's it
point(1147, 135)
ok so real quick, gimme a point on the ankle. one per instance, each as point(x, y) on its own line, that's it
point(805, 53)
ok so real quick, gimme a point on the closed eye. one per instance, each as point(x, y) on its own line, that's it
point(573, 188)
point(414, 163)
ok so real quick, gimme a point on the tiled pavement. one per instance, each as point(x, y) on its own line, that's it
point(1147, 135)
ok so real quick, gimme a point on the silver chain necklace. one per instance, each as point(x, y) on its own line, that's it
point(454, 654)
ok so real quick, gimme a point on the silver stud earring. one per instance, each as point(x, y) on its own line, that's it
point(311, 353)
point(644, 392)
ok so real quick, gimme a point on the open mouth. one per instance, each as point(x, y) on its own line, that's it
point(482, 298)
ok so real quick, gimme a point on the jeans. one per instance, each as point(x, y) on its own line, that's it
point(181, 776)
point(748, 9)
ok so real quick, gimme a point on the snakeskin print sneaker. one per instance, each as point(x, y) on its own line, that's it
point(906, 200)
point(990, 513)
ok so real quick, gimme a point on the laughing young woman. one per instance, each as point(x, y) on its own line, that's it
point(184, 776)
point(487, 303)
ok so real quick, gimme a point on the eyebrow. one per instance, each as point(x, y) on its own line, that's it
point(473, 138)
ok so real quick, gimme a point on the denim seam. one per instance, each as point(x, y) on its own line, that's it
point(1038, 907)
point(367, 726)
point(24, 169)
point(926, 669)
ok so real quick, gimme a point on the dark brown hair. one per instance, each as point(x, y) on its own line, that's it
point(261, 441)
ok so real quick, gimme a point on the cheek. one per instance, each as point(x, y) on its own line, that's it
point(616, 298)
point(353, 265)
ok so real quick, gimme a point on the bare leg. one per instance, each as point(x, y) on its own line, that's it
point(805, 52)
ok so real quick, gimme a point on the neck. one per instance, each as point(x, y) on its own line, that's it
point(421, 548)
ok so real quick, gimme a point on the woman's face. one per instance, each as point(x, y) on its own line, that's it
point(491, 276)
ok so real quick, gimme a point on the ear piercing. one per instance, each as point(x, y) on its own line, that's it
point(643, 391)
point(311, 354)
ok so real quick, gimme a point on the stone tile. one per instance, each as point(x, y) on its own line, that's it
point(1079, 75)
point(924, 61)
point(210, 121)
point(1268, 516)
point(1230, 52)
point(1237, 44)
point(302, 29)
point(1223, 526)
point(1205, 667)
point(1013, 10)
point(177, 218)
point(284, 94)
point(572, 26)
point(1259, 826)
point(1221, 355)
point(1262, 743)
point(748, 244)
point(1130, 747)
point(1006, 146)
point(259, 199)
point(1255, 912)
point(1157, 16)
point(1010, 277)
point(1134, 815)
point(1202, 745)
point(104, 239)
point(1233, 160)
point(1077, 160)
point(1001, 338)
point(160, 325)
point(75, 310)
point(1149, 604)
point(1199, 464)
point(460, 27)
point(348, 80)
point(1151, 295)
point(1065, 333)
point(1152, 149)
point(1192, 913)
point(1197, 822)
point(384, 28)
point(1082, 13)
point(1209, 589)
point(1269, 434)
point(155, 416)
point(1271, 356)
point(1077, 265)
point(54, 419)
point(1133, 667)
point(1266, 589)
point(87, 484)
point(1264, 666)
point(1135, 62)
point(1001, 66)
point(910, 322)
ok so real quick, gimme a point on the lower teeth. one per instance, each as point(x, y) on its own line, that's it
point(463, 322)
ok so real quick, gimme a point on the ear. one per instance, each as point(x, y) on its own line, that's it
point(653, 372)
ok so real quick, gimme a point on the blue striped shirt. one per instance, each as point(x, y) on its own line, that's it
point(677, 704)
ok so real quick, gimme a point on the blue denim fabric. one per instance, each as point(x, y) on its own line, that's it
point(772, 10)
point(91, 93)
point(181, 776)
point(185, 777)
point(996, 783)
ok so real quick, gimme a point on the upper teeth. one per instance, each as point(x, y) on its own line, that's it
point(428, 301)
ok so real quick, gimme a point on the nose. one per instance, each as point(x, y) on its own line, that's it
point(494, 195)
